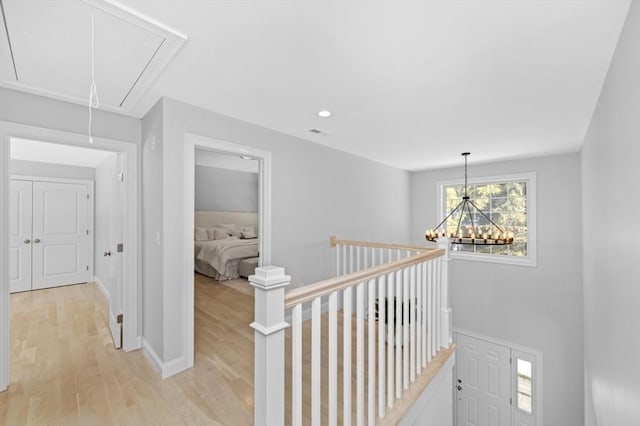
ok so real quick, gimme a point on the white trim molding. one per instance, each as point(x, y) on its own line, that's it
point(192, 142)
point(132, 304)
point(532, 247)
point(164, 369)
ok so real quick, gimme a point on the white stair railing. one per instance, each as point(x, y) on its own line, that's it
point(402, 321)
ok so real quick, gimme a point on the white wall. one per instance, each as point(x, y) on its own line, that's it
point(152, 227)
point(611, 233)
point(225, 190)
point(316, 192)
point(38, 111)
point(33, 168)
point(537, 307)
point(105, 177)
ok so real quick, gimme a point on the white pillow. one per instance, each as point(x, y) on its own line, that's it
point(220, 234)
point(236, 233)
point(248, 228)
point(201, 234)
point(249, 234)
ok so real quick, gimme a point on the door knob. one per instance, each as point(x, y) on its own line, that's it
point(107, 253)
point(27, 241)
point(37, 240)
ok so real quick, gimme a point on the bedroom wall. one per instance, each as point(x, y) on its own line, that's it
point(316, 192)
point(539, 307)
point(33, 168)
point(225, 190)
point(610, 173)
point(105, 173)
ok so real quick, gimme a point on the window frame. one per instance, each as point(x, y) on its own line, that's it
point(531, 258)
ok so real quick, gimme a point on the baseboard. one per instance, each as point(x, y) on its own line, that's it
point(101, 286)
point(164, 369)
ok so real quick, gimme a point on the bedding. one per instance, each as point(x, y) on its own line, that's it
point(219, 259)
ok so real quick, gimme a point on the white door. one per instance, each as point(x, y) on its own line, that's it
point(60, 234)
point(20, 235)
point(115, 254)
point(483, 383)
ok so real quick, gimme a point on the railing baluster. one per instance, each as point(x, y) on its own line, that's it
point(346, 356)
point(382, 320)
point(429, 310)
point(296, 365)
point(390, 305)
point(434, 314)
point(333, 359)
point(344, 260)
point(438, 310)
point(357, 258)
point(351, 259)
point(425, 298)
point(405, 328)
point(419, 318)
point(360, 354)
point(371, 358)
point(398, 337)
point(338, 254)
point(412, 323)
point(316, 356)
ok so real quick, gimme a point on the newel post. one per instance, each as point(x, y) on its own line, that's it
point(269, 325)
point(446, 322)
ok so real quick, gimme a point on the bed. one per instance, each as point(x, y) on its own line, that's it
point(222, 240)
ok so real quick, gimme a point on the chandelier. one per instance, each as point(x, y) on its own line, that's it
point(488, 235)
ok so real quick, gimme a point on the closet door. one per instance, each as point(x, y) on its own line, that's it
point(20, 235)
point(60, 234)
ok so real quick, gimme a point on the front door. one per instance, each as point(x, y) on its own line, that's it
point(60, 234)
point(483, 383)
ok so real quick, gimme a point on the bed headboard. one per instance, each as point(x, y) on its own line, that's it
point(209, 219)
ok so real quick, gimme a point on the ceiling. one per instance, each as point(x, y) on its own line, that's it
point(204, 157)
point(47, 50)
point(46, 152)
point(410, 83)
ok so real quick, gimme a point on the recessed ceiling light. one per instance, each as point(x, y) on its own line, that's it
point(324, 114)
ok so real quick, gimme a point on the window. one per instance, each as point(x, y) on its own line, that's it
point(509, 201)
point(524, 386)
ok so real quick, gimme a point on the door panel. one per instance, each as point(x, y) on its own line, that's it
point(483, 383)
point(60, 240)
point(20, 235)
point(115, 260)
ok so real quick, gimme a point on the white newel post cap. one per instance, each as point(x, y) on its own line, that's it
point(269, 277)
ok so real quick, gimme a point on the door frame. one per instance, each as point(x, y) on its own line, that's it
point(537, 371)
point(193, 141)
point(90, 208)
point(132, 282)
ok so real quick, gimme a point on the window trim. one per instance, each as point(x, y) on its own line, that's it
point(532, 247)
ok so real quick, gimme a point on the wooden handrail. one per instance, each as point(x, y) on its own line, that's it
point(333, 241)
point(322, 288)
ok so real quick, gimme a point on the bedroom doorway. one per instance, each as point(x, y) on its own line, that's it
point(227, 235)
point(124, 301)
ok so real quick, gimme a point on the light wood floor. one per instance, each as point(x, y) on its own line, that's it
point(64, 369)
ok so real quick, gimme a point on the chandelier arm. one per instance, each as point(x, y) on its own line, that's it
point(473, 222)
point(464, 202)
point(486, 217)
point(448, 216)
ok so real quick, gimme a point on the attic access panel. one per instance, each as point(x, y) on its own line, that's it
point(46, 50)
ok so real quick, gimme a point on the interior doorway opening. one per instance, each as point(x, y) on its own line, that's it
point(248, 240)
point(48, 188)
